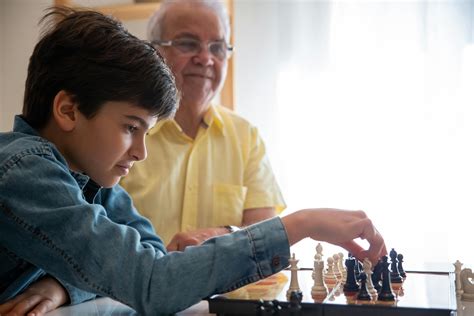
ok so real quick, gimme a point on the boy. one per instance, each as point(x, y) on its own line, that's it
point(92, 93)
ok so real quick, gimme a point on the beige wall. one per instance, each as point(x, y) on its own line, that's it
point(19, 19)
point(19, 33)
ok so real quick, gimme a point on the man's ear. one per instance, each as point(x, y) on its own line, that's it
point(65, 111)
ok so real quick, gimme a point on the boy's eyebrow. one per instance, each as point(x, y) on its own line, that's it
point(141, 121)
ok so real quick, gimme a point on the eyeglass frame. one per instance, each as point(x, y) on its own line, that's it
point(229, 49)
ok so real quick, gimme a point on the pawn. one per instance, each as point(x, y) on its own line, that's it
point(351, 283)
point(330, 277)
point(386, 293)
point(395, 276)
point(337, 272)
point(341, 267)
point(400, 266)
point(363, 294)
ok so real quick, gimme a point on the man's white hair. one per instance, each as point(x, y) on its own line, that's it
point(155, 24)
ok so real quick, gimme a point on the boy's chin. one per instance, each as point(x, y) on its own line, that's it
point(108, 183)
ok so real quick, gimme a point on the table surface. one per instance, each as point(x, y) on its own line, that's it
point(109, 307)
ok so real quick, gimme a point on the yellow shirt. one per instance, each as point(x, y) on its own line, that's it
point(186, 184)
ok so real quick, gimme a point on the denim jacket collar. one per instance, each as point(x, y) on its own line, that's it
point(21, 126)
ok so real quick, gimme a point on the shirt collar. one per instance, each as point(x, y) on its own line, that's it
point(211, 118)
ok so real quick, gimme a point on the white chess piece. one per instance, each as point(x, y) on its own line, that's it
point(294, 286)
point(342, 267)
point(457, 273)
point(319, 250)
point(319, 289)
point(367, 266)
point(337, 272)
point(467, 278)
point(330, 277)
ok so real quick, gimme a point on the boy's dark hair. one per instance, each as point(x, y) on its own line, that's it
point(95, 59)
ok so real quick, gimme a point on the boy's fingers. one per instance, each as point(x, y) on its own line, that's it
point(25, 305)
point(42, 308)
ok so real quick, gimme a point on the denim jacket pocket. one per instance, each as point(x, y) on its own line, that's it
point(228, 204)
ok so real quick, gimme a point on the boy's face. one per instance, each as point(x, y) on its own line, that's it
point(107, 145)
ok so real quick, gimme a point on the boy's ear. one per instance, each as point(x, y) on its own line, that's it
point(65, 112)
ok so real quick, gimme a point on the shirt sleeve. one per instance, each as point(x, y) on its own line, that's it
point(78, 243)
point(262, 187)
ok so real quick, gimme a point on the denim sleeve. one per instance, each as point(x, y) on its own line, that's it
point(120, 209)
point(76, 295)
point(45, 220)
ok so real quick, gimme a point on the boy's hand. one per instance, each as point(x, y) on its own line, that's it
point(338, 227)
point(39, 298)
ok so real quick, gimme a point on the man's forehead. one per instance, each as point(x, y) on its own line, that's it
point(191, 17)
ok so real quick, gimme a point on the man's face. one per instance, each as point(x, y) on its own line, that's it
point(105, 146)
point(198, 76)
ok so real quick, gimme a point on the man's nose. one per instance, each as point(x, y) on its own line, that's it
point(204, 57)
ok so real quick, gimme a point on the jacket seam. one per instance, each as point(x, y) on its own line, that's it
point(42, 237)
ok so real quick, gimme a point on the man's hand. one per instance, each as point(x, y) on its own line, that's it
point(193, 238)
point(338, 227)
point(39, 298)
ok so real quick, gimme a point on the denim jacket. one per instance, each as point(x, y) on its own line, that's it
point(55, 221)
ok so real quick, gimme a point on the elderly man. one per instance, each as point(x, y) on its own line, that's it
point(207, 172)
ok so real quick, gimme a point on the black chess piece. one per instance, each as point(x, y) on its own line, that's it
point(351, 283)
point(395, 276)
point(386, 293)
point(363, 294)
point(400, 266)
point(295, 304)
point(377, 276)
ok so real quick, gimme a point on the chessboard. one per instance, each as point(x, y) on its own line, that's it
point(354, 288)
point(422, 294)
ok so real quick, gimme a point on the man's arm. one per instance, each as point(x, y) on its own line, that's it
point(196, 237)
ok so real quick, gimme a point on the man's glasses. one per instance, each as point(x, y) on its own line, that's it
point(189, 46)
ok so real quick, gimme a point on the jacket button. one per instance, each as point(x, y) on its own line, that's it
point(276, 261)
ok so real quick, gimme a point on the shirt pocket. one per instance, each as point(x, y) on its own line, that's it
point(228, 204)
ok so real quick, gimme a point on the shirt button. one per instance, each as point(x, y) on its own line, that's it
point(276, 261)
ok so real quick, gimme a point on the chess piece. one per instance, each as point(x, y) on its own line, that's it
point(386, 293)
point(467, 285)
point(357, 269)
point(351, 283)
point(319, 249)
point(294, 286)
point(395, 276)
point(319, 289)
point(377, 276)
point(400, 266)
point(367, 267)
point(337, 272)
point(295, 304)
point(457, 273)
point(330, 278)
point(363, 294)
point(341, 267)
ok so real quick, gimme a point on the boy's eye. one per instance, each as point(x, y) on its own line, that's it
point(132, 128)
